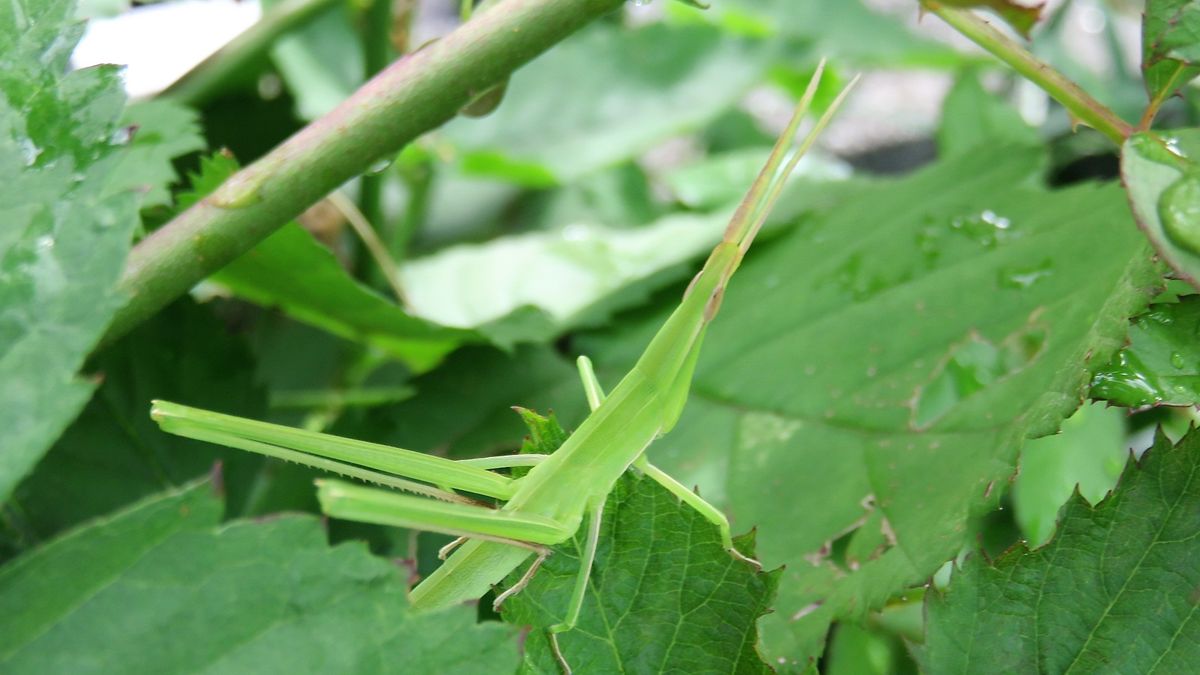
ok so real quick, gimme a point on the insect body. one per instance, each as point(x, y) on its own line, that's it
point(548, 505)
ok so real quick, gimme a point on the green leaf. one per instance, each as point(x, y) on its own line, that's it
point(161, 131)
point(1115, 591)
point(114, 454)
point(1170, 46)
point(972, 118)
point(292, 271)
point(167, 589)
point(643, 85)
point(664, 595)
point(1086, 457)
point(67, 224)
point(909, 296)
point(1161, 365)
point(473, 285)
point(1162, 182)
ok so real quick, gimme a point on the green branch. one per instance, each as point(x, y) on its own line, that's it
point(1079, 103)
point(414, 95)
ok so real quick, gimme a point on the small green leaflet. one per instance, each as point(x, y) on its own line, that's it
point(167, 588)
point(160, 131)
point(1161, 365)
point(1114, 591)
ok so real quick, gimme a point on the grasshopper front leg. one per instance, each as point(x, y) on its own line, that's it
point(595, 395)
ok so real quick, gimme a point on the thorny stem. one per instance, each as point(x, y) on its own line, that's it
point(1079, 103)
point(412, 96)
point(199, 84)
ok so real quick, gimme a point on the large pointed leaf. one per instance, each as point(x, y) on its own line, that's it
point(1114, 592)
point(164, 588)
point(870, 374)
point(67, 221)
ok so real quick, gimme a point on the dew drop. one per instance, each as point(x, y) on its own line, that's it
point(1177, 360)
point(29, 151)
point(1024, 276)
point(1172, 146)
point(379, 167)
point(1179, 209)
point(123, 135)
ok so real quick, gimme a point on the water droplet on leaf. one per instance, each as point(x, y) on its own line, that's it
point(1179, 209)
point(1024, 276)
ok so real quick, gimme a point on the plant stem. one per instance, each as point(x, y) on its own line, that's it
point(199, 84)
point(1082, 107)
point(417, 93)
point(376, 25)
point(386, 266)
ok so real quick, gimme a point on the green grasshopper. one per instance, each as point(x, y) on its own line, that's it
point(547, 505)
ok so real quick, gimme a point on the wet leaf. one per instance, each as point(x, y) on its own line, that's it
point(1114, 591)
point(68, 217)
point(1160, 175)
point(1161, 365)
point(1170, 46)
point(876, 367)
point(973, 117)
point(245, 596)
